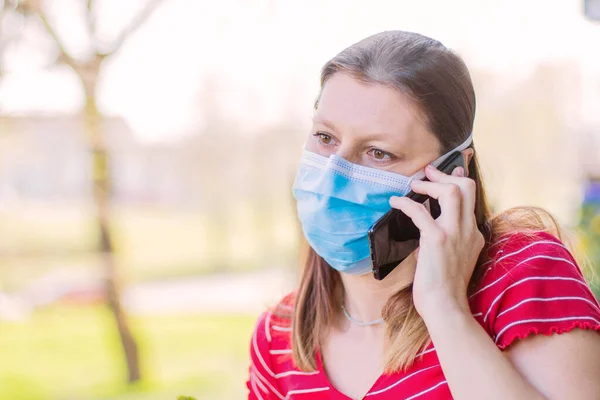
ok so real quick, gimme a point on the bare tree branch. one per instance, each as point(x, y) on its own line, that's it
point(90, 20)
point(34, 7)
point(63, 56)
point(137, 21)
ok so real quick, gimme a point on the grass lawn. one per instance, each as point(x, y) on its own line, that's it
point(73, 353)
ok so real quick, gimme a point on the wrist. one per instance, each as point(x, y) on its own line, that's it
point(446, 322)
point(441, 307)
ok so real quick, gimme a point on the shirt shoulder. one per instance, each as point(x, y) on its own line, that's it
point(262, 380)
point(533, 285)
point(270, 352)
point(272, 333)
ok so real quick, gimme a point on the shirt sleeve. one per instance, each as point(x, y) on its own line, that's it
point(538, 288)
point(261, 383)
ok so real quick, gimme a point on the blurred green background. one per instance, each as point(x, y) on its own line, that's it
point(148, 148)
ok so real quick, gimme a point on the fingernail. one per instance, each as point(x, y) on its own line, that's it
point(429, 166)
point(461, 171)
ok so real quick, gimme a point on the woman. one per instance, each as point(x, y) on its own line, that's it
point(486, 307)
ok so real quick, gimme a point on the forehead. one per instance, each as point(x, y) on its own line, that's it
point(368, 108)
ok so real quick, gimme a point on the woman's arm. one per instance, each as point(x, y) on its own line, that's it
point(474, 366)
point(565, 366)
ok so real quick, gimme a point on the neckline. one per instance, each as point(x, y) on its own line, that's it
point(332, 388)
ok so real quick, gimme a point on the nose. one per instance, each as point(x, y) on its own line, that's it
point(349, 152)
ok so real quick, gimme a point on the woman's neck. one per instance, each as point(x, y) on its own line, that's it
point(365, 296)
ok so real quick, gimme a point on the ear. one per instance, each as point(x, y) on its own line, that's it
point(468, 154)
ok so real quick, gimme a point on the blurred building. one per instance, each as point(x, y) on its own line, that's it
point(45, 158)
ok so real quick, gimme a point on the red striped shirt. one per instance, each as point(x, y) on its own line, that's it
point(532, 286)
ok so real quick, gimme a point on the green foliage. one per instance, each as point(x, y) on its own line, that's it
point(74, 353)
point(589, 228)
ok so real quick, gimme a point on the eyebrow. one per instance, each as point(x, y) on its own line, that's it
point(326, 123)
point(367, 137)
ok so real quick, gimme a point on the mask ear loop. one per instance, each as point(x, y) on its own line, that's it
point(464, 145)
point(437, 162)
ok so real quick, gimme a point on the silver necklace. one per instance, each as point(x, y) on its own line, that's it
point(360, 323)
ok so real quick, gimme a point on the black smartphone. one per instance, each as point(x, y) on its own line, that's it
point(394, 236)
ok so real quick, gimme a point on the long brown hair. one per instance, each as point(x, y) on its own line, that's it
point(439, 84)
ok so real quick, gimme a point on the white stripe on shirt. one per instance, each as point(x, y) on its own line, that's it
point(425, 391)
point(256, 392)
point(400, 381)
point(303, 391)
point(281, 328)
point(266, 382)
point(524, 321)
point(284, 351)
point(294, 372)
point(502, 240)
point(267, 330)
point(547, 299)
point(260, 358)
point(541, 278)
point(516, 252)
point(425, 352)
point(531, 245)
point(260, 384)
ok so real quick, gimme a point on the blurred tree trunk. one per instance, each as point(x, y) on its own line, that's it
point(101, 192)
point(88, 72)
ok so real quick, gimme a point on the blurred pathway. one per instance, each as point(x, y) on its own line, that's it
point(231, 293)
point(248, 292)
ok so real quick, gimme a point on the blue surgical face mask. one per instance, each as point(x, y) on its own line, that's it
point(339, 201)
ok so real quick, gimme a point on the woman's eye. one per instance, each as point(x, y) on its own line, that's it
point(324, 138)
point(379, 155)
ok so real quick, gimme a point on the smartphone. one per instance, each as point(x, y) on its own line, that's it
point(394, 236)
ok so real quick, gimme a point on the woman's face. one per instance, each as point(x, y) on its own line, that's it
point(371, 125)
